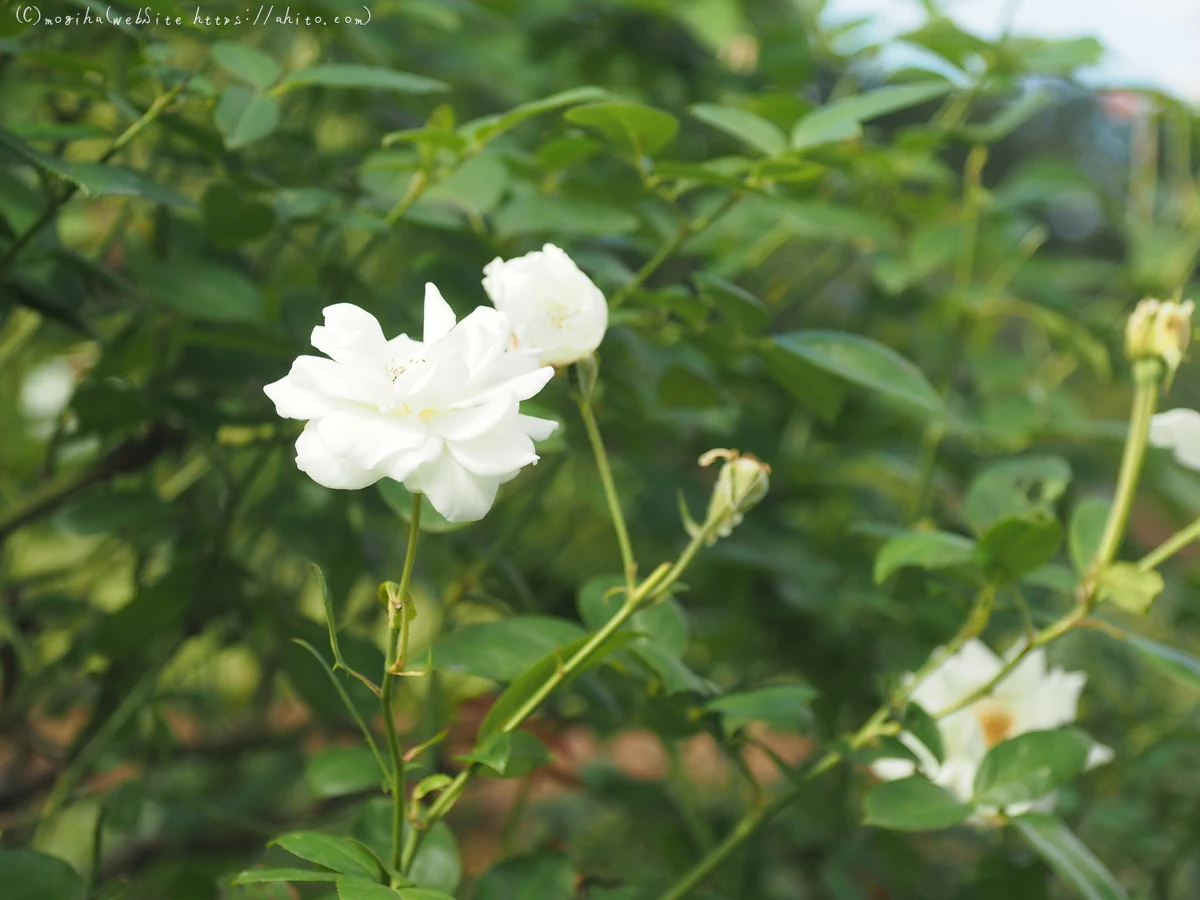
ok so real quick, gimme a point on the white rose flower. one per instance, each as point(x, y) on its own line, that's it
point(440, 415)
point(1178, 430)
point(555, 309)
point(47, 389)
point(1029, 698)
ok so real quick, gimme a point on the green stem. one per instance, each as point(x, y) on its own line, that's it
point(397, 650)
point(628, 562)
point(155, 110)
point(1170, 546)
point(656, 585)
point(416, 187)
point(687, 230)
point(874, 726)
point(1147, 374)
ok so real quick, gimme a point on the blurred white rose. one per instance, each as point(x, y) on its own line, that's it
point(440, 415)
point(47, 389)
point(554, 308)
point(1029, 698)
point(1178, 430)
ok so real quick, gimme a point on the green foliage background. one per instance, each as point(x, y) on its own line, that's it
point(157, 538)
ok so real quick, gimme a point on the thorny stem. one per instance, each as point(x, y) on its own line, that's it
point(397, 650)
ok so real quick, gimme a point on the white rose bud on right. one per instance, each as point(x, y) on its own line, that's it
point(741, 484)
point(552, 306)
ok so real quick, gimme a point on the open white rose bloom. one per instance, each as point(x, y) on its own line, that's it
point(554, 308)
point(1178, 430)
point(440, 415)
point(1030, 698)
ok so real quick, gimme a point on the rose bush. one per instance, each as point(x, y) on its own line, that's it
point(284, 624)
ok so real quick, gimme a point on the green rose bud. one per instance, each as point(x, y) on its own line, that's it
point(1160, 330)
point(741, 484)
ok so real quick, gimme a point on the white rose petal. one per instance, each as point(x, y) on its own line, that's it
point(442, 415)
point(1031, 697)
point(553, 307)
point(1178, 430)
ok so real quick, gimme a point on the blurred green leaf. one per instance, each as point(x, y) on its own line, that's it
point(503, 649)
point(866, 363)
point(1172, 662)
point(637, 129)
point(244, 116)
point(204, 290)
point(489, 127)
point(1087, 528)
point(230, 218)
point(510, 754)
point(1129, 587)
point(924, 550)
point(246, 63)
point(336, 771)
point(1067, 856)
point(1011, 117)
point(541, 877)
point(356, 75)
point(913, 804)
point(438, 864)
point(36, 876)
point(784, 707)
point(557, 214)
point(842, 119)
point(743, 125)
point(1030, 766)
point(341, 854)
point(1022, 487)
point(1020, 544)
point(265, 876)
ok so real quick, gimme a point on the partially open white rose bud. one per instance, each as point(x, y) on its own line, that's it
point(1160, 329)
point(741, 485)
point(554, 308)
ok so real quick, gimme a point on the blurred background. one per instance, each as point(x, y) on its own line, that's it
point(158, 724)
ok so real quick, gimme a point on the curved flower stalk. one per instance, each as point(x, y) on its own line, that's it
point(553, 307)
point(1030, 697)
point(440, 415)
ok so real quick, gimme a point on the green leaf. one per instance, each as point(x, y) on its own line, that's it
point(204, 290)
point(246, 63)
point(1129, 587)
point(438, 864)
point(1025, 486)
point(744, 125)
point(342, 854)
point(510, 754)
point(1068, 856)
point(422, 893)
point(232, 218)
point(842, 119)
point(354, 75)
point(1174, 663)
point(36, 876)
point(103, 180)
point(1030, 766)
point(1019, 545)
point(639, 130)
point(924, 550)
point(542, 877)
point(503, 649)
point(925, 729)
point(532, 680)
point(866, 363)
point(336, 771)
point(741, 309)
point(396, 496)
point(489, 127)
point(265, 876)
point(362, 889)
point(810, 386)
point(244, 116)
point(1009, 119)
point(785, 707)
point(913, 804)
point(557, 214)
point(1087, 528)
